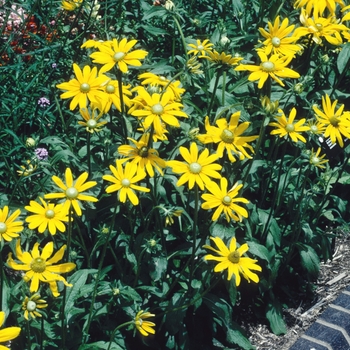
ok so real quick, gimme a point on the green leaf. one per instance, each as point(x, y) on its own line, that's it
point(78, 279)
point(343, 57)
point(274, 315)
point(158, 267)
point(154, 30)
point(310, 260)
point(234, 336)
point(259, 250)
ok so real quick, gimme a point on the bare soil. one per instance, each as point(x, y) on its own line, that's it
point(334, 277)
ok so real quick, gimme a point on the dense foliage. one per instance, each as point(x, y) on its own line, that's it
point(168, 169)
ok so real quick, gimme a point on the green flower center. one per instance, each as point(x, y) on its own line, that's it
point(314, 129)
point(314, 160)
point(84, 87)
point(157, 109)
point(276, 42)
point(143, 152)
point(91, 124)
point(268, 66)
point(195, 168)
point(227, 200)
point(125, 182)
point(3, 227)
point(38, 265)
point(290, 127)
point(334, 120)
point(162, 78)
point(118, 56)
point(319, 26)
point(31, 306)
point(72, 193)
point(49, 214)
point(227, 136)
point(200, 47)
point(110, 89)
point(234, 257)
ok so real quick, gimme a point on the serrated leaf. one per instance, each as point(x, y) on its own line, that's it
point(234, 336)
point(259, 250)
point(158, 267)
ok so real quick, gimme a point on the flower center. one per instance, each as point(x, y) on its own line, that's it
point(143, 152)
point(91, 124)
point(162, 78)
point(276, 42)
point(195, 168)
point(72, 193)
point(110, 89)
point(31, 305)
point(319, 26)
point(227, 200)
point(49, 214)
point(200, 47)
point(118, 56)
point(290, 128)
point(126, 182)
point(84, 87)
point(234, 257)
point(3, 227)
point(314, 129)
point(38, 265)
point(268, 66)
point(157, 109)
point(227, 136)
point(334, 120)
point(315, 160)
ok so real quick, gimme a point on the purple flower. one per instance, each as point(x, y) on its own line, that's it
point(43, 102)
point(54, 65)
point(41, 153)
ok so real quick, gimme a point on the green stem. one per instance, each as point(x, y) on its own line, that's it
point(88, 145)
point(223, 88)
point(122, 106)
point(194, 232)
point(69, 239)
point(182, 36)
point(102, 257)
point(28, 335)
point(2, 276)
point(115, 330)
point(139, 267)
point(214, 92)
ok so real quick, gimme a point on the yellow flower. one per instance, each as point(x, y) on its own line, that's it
point(9, 228)
point(228, 136)
point(347, 16)
point(31, 305)
point(198, 169)
point(46, 216)
point(337, 123)
point(71, 5)
point(226, 61)
point(232, 259)
point(200, 48)
point(124, 181)
point(117, 53)
point(8, 333)
point(317, 160)
point(144, 327)
point(113, 97)
point(286, 127)
point(225, 201)
point(141, 154)
point(163, 82)
point(27, 169)
point(92, 123)
point(72, 191)
point(158, 108)
point(274, 67)
point(170, 214)
point(278, 40)
point(40, 268)
point(316, 127)
point(318, 6)
point(86, 86)
point(320, 27)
